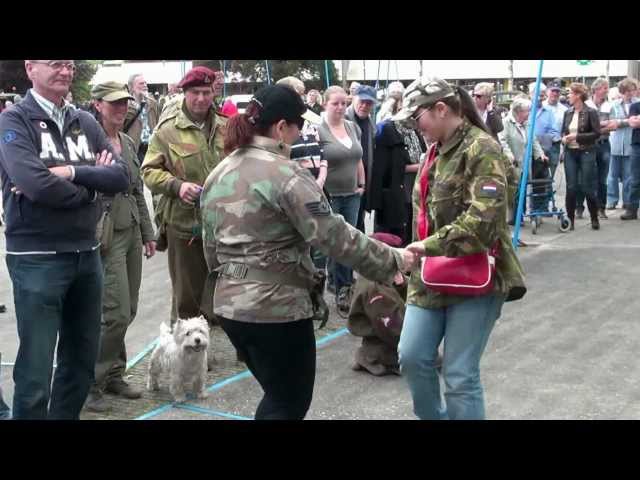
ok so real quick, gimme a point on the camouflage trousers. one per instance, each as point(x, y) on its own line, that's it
point(188, 271)
point(122, 265)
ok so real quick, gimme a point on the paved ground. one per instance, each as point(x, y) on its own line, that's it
point(567, 351)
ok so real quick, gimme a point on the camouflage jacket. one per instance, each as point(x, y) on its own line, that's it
point(179, 152)
point(467, 203)
point(263, 210)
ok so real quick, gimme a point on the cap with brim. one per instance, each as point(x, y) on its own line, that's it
point(110, 92)
point(279, 102)
point(422, 93)
point(365, 92)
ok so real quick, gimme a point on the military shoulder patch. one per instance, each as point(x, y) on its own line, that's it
point(489, 188)
point(9, 136)
point(319, 208)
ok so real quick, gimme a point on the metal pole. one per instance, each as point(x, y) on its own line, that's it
point(268, 74)
point(326, 71)
point(224, 77)
point(526, 163)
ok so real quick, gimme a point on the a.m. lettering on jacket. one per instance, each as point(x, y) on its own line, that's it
point(77, 150)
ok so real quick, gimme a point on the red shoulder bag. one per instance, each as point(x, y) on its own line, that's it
point(469, 275)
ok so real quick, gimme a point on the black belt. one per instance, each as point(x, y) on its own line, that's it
point(242, 271)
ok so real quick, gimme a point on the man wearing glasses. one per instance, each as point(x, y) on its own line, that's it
point(483, 96)
point(54, 160)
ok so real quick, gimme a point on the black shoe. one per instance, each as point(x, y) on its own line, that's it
point(3, 308)
point(602, 214)
point(629, 215)
point(595, 224)
point(580, 213)
point(123, 389)
point(97, 403)
point(573, 225)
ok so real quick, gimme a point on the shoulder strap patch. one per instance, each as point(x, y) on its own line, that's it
point(320, 208)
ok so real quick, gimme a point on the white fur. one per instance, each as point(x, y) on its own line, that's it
point(183, 354)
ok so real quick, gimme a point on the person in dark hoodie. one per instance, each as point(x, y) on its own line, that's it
point(54, 160)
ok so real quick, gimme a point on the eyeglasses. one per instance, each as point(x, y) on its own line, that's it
point(477, 95)
point(417, 117)
point(57, 65)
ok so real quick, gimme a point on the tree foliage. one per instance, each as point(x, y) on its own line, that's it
point(12, 73)
point(311, 72)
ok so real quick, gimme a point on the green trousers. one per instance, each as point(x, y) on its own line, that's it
point(122, 277)
point(188, 271)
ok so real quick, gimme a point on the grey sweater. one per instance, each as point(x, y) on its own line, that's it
point(342, 174)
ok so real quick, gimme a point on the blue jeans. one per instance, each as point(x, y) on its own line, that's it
point(634, 181)
point(55, 295)
point(554, 157)
point(347, 206)
point(465, 328)
point(602, 156)
point(619, 171)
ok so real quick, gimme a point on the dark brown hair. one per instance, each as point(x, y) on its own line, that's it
point(463, 105)
point(240, 130)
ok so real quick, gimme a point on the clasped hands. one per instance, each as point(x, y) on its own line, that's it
point(411, 256)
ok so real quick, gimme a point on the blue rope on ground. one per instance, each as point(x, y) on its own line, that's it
point(142, 354)
point(234, 378)
point(155, 412)
point(208, 411)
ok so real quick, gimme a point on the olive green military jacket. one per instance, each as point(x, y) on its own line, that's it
point(130, 208)
point(466, 204)
point(263, 210)
point(179, 152)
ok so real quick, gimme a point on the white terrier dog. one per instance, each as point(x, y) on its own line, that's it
point(184, 355)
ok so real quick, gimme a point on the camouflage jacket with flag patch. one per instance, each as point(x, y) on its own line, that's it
point(466, 202)
point(263, 210)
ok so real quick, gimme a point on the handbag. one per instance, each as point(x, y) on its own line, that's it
point(468, 275)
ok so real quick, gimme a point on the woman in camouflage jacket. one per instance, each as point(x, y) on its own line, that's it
point(261, 212)
point(466, 214)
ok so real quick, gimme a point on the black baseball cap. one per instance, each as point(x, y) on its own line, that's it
point(278, 102)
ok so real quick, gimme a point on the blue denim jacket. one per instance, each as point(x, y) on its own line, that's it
point(621, 138)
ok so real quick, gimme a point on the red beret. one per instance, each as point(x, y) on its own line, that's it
point(198, 77)
point(388, 238)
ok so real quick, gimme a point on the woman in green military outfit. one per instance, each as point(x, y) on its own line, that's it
point(466, 201)
point(126, 231)
point(261, 213)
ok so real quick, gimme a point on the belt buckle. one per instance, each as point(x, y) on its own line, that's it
point(237, 271)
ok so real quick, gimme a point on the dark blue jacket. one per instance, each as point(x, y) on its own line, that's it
point(52, 214)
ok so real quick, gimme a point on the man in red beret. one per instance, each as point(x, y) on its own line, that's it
point(187, 144)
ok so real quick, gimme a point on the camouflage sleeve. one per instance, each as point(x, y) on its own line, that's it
point(485, 195)
point(208, 237)
point(154, 172)
point(308, 209)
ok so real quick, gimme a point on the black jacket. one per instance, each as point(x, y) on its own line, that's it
point(52, 214)
point(588, 126)
point(388, 195)
point(494, 122)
